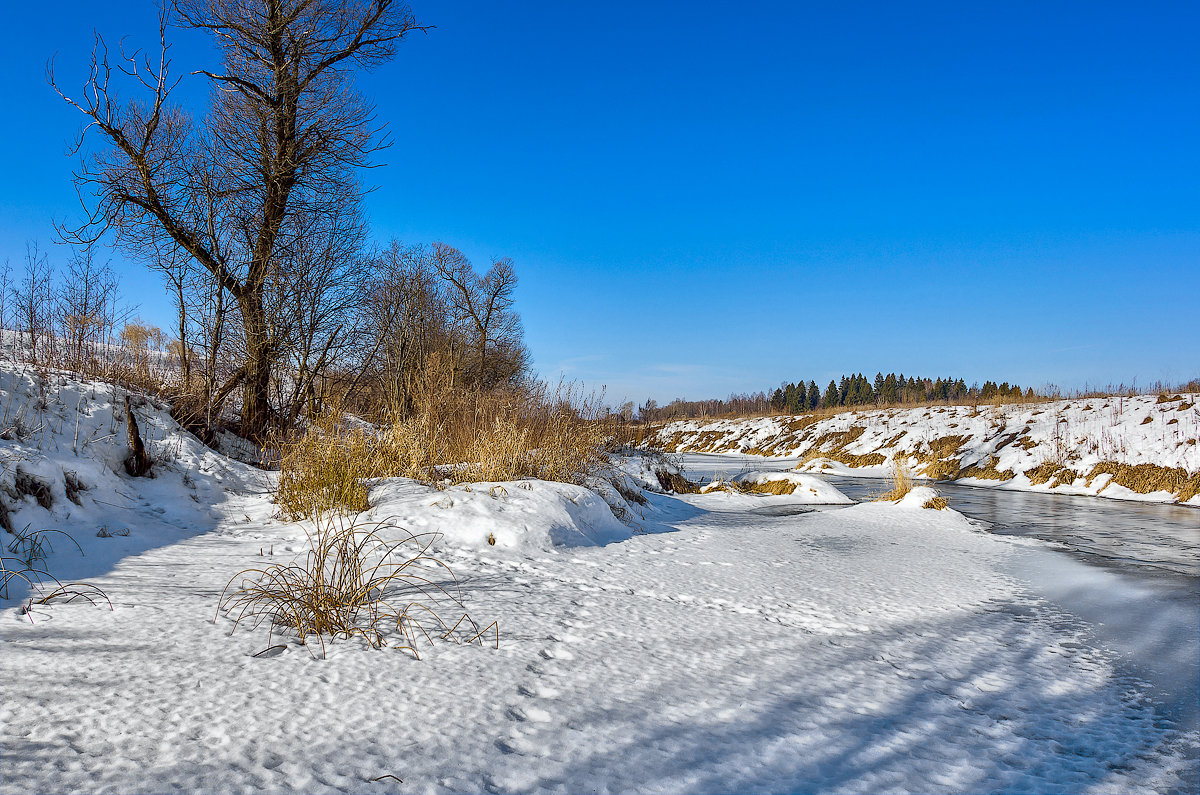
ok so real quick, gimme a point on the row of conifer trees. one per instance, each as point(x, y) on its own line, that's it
point(886, 390)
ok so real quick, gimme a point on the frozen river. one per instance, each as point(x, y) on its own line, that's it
point(1129, 570)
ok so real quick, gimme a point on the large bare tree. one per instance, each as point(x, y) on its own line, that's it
point(269, 166)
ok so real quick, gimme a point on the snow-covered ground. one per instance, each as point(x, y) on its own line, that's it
point(715, 642)
point(1000, 446)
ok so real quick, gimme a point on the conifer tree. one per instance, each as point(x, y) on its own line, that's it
point(832, 395)
point(814, 395)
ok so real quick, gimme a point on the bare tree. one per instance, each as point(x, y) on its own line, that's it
point(483, 307)
point(86, 303)
point(408, 317)
point(315, 302)
point(272, 160)
point(33, 298)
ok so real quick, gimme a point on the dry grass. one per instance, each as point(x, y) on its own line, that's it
point(776, 487)
point(27, 564)
point(1147, 478)
point(675, 482)
point(990, 472)
point(1051, 470)
point(945, 446)
point(936, 503)
point(902, 481)
point(534, 432)
point(354, 582)
point(942, 469)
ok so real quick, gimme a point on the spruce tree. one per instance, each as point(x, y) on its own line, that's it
point(831, 395)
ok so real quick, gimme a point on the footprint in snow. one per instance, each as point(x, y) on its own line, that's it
point(537, 691)
point(529, 713)
point(556, 654)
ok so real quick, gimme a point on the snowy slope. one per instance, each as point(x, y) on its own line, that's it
point(1142, 447)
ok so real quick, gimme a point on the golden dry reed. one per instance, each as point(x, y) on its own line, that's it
point(529, 432)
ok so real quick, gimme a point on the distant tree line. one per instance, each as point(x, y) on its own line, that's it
point(736, 405)
point(886, 390)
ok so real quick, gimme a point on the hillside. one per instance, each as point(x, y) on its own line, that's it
point(1142, 447)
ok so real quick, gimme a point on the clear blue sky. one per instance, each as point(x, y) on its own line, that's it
point(706, 198)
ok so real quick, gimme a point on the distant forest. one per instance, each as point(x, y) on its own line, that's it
point(886, 390)
point(850, 390)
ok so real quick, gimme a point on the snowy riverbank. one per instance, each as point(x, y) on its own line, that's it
point(1134, 448)
point(716, 642)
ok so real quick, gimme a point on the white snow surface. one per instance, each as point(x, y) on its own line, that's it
point(877, 647)
point(1077, 434)
point(528, 515)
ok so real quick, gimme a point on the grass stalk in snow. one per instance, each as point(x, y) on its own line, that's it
point(902, 480)
point(354, 582)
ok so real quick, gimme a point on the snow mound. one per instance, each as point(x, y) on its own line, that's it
point(515, 515)
point(916, 499)
point(809, 489)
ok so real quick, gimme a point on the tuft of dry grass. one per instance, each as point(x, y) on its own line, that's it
point(936, 503)
point(675, 482)
point(354, 582)
point(942, 469)
point(990, 472)
point(1051, 470)
point(902, 480)
point(776, 487)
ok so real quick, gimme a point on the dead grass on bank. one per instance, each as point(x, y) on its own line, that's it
point(1147, 478)
point(778, 488)
point(534, 432)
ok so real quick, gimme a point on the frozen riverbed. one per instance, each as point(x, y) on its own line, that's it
point(734, 645)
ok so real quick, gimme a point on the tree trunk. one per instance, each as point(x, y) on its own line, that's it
point(256, 409)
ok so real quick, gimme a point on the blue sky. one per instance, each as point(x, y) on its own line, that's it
point(703, 198)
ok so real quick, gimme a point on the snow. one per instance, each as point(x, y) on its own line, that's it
point(711, 644)
point(527, 515)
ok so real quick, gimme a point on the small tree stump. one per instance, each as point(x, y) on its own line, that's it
point(138, 463)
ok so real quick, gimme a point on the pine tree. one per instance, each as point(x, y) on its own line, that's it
point(814, 395)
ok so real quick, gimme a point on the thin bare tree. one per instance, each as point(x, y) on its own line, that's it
point(483, 307)
point(272, 160)
point(86, 308)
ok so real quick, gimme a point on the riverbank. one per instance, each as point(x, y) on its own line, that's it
point(1133, 448)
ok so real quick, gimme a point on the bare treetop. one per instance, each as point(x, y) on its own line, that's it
point(245, 187)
